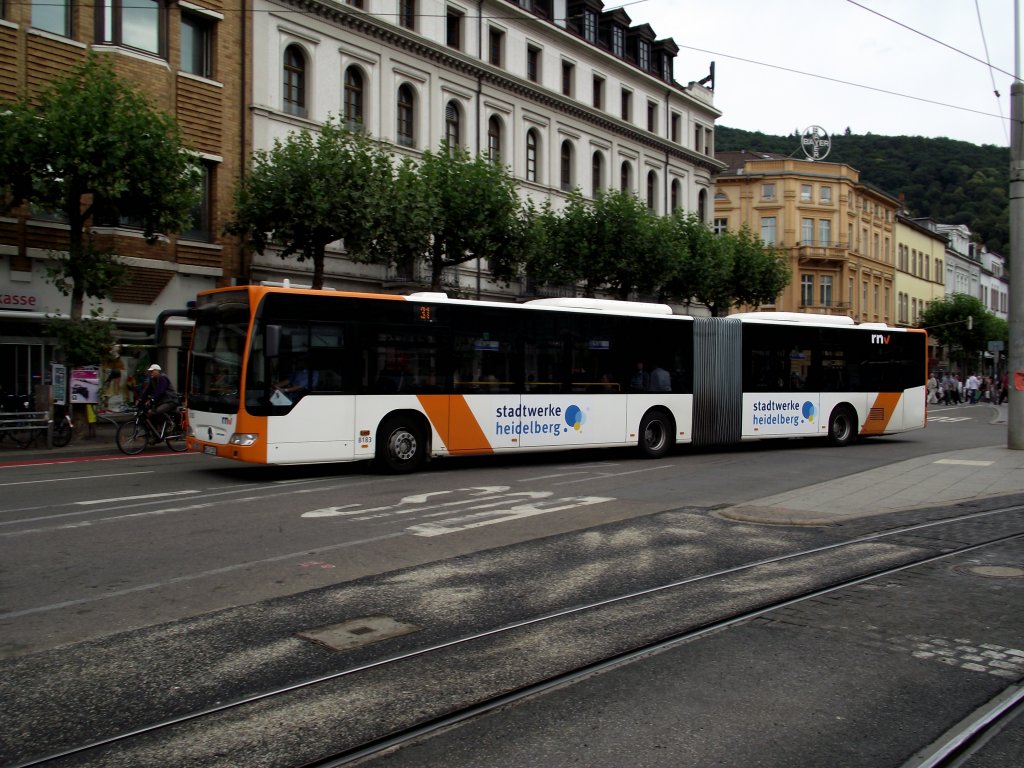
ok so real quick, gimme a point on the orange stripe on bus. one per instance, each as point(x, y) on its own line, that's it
point(884, 406)
point(455, 423)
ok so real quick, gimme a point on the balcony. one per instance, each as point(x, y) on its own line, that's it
point(811, 251)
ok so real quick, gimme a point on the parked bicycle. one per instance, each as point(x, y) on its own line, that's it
point(17, 419)
point(133, 437)
point(62, 426)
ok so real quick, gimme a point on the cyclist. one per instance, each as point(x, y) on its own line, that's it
point(158, 397)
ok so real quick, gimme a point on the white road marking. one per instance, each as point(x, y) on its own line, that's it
point(485, 505)
point(966, 462)
point(134, 498)
point(515, 512)
point(603, 475)
point(82, 477)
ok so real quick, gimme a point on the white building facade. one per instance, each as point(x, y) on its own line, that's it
point(565, 94)
point(995, 285)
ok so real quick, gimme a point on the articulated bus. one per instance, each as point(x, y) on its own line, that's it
point(401, 379)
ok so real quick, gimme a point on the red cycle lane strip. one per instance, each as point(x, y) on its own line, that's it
point(80, 459)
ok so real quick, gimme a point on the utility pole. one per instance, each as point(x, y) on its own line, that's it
point(1015, 356)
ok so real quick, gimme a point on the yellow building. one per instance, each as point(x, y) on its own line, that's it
point(837, 232)
point(920, 275)
point(920, 272)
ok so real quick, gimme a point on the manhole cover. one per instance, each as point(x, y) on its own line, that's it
point(992, 571)
point(358, 632)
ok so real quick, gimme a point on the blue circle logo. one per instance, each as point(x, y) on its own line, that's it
point(575, 417)
point(808, 410)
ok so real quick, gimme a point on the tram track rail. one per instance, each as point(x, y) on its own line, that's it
point(946, 538)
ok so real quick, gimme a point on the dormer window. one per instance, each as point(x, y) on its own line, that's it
point(619, 42)
point(590, 26)
point(643, 55)
point(666, 68)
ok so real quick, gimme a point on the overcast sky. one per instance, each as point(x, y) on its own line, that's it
point(839, 39)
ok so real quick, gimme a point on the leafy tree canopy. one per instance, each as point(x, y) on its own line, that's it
point(90, 147)
point(720, 270)
point(310, 190)
point(449, 208)
point(962, 324)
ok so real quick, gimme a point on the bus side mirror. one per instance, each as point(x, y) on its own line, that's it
point(272, 340)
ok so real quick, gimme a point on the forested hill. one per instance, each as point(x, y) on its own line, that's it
point(953, 182)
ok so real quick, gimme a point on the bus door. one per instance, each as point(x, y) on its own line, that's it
point(486, 384)
point(575, 382)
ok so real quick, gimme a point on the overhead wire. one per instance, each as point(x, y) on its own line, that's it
point(991, 74)
point(838, 80)
point(929, 37)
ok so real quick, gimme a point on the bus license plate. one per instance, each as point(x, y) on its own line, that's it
point(210, 449)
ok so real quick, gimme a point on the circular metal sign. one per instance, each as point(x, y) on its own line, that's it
point(815, 143)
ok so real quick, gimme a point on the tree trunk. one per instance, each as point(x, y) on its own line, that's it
point(76, 228)
point(436, 264)
point(318, 266)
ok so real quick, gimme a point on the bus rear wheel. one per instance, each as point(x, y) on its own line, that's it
point(401, 446)
point(655, 434)
point(842, 426)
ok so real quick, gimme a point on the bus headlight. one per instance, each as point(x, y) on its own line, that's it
point(243, 438)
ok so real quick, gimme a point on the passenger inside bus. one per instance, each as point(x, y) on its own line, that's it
point(301, 380)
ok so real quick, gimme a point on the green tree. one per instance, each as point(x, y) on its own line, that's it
point(88, 146)
point(962, 324)
point(612, 243)
point(703, 266)
point(759, 271)
point(87, 341)
point(633, 247)
point(309, 191)
point(725, 269)
point(449, 208)
point(568, 255)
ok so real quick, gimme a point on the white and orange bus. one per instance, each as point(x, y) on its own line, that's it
point(400, 379)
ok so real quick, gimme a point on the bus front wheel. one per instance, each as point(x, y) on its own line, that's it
point(401, 445)
point(655, 434)
point(842, 426)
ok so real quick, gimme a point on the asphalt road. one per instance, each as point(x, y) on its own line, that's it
point(95, 547)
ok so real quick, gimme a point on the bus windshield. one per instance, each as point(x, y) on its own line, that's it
point(218, 346)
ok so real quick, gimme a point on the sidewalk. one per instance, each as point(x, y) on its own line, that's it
point(104, 443)
point(933, 480)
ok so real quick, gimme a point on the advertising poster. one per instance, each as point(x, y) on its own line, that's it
point(85, 385)
point(59, 377)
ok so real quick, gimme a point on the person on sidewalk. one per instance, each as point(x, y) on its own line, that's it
point(972, 389)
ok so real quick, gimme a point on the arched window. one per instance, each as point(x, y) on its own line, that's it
point(406, 116)
point(494, 139)
point(677, 192)
point(566, 164)
point(652, 186)
point(531, 156)
point(702, 204)
point(597, 172)
point(452, 126)
point(294, 101)
point(353, 99)
point(626, 176)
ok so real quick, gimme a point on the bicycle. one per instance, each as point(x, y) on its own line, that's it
point(21, 433)
point(62, 426)
point(133, 437)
